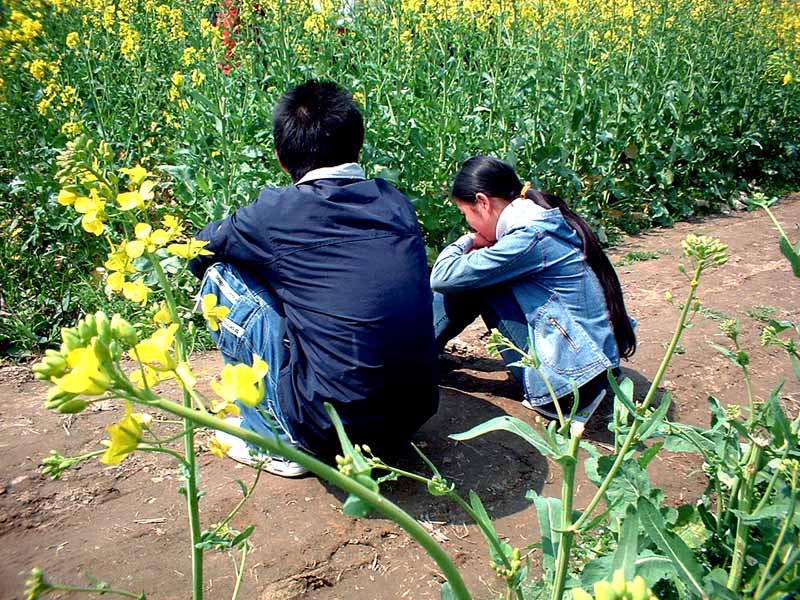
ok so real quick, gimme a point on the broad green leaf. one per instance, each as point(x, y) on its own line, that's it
point(651, 423)
point(243, 536)
point(687, 567)
point(549, 512)
point(512, 425)
point(791, 254)
point(648, 455)
point(690, 527)
point(777, 422)
point(628, 545)
point(355, 507)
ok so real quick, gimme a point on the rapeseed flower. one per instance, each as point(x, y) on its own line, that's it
point(162, 315)
point(38, 69)
point(124, 436)
point(212, 313)
point(191, 249)
point(787, 78)
point(218, 448)
point(73, 39)
point(173, 225)
point(224, 409)
point(85, 376)
point(314, 24)
point(66, 197)
point(136, 291)
point(241, 382)
point(137, 198)
point(136, 174)
point(156, 350)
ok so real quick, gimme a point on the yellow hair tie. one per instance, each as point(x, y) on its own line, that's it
point(525, 189)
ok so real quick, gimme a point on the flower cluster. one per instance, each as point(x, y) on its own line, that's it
point(617, 589)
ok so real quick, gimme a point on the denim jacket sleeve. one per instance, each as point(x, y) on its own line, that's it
point(515, 254)
point(239, 238)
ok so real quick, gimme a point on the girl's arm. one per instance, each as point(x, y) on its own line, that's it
point(515, 254)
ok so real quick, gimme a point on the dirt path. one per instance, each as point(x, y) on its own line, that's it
point(126, 525)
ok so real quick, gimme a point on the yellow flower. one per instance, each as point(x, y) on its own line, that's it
point(146, 239)
point(89, 204)
point(225, 409)
point(191, 249)
point(92, 223)
point(71, 129)
point(138, 198)
point(190, 56)
point(147, 377)
point(73, 39)
point(86, 375)
point(116, 281)
point(241, 382)
point(217, 448)
point(155, 350)
point(163, 315)
point(173, 225)
point(787, 79)
point(124, 435)
point(177, 79)
point(360, 98)
point(136, 174)
point(38, 69)
point(315, 23)
point(67, 198)
point(212, 313)
point(186, 376)
point(136, 291)
point(198, 77)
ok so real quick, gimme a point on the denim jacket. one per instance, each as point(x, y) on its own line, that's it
point(541, 258)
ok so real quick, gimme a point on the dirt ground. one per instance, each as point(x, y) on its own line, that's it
point(126, 525)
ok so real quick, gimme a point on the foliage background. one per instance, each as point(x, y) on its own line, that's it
point(638, 113)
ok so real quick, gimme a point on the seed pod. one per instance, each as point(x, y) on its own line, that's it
point(71, 407)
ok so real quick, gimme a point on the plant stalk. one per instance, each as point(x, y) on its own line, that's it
point(742, 528)
point(567, 498)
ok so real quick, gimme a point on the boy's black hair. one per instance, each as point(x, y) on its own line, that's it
point(317, 124)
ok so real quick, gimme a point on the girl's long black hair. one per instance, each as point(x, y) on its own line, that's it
point(495, 178)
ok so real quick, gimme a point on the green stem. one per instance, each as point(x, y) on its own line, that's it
point(241, 503)
point(793, 557)
point(373, 499)
point(84, 590)
point(192, 496)
point(779, 542)
point(567, 498)
point(631, 437)
point(171, 453)
point(240, 571)
point(742, 528)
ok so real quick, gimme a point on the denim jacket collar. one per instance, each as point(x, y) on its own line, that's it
point(520, 212)
point(344, 171)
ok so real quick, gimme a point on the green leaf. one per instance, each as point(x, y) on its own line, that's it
point(355, 507)
point(649, 454)
point(623, 391)
point(242, 536)
point(512, 425)
point(447, 592)
point(652, 422)
point(687, 567)
point(486, 526)
point(628, 547)
point(791, 254)
point(549, 512)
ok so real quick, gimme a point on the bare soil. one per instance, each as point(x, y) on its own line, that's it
point(127, 525)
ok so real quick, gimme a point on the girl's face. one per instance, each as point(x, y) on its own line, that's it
point(482, 215)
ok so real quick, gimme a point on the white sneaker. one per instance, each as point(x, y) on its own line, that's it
point(258, 459)
point(581, 416)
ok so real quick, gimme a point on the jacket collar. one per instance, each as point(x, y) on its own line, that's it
point(520, 212)
point(344, 171)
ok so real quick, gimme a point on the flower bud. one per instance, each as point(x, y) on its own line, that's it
point(71, 339)
point(114, 350)
point(87, 328)
point(101, 351)
point(618, 582)
point(638, 589)
point(56, 397)
point(103, 326)
point(604, 591)
point(73, 406)
point(122, 330)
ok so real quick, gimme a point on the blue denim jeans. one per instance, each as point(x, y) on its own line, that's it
point(254, 325)
point(495, 305)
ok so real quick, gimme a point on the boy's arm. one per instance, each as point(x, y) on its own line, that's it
point(239, 238)
point(458, 269)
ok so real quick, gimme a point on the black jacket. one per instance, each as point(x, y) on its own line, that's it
point(347, 259)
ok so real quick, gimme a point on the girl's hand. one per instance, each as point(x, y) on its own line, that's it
point(478, 241)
